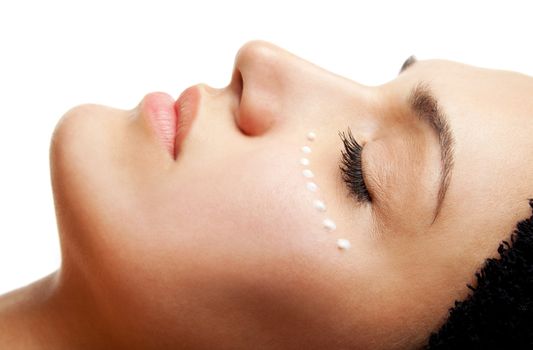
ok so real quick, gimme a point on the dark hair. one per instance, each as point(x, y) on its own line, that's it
point(499, 312)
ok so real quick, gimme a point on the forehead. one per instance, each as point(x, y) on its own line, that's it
point(472, 97)
point(492, 88)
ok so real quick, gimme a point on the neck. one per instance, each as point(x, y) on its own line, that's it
point(54, 314)
point(46, 314)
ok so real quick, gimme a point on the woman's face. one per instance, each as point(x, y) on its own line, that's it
point(225, 239)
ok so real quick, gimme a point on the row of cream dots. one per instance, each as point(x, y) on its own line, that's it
point(328, 224)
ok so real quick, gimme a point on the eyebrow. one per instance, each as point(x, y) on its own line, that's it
point(408, 62)
point(425, 106)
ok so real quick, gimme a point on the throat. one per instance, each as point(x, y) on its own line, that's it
point(42, 314)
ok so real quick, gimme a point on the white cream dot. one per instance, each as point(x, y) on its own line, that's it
point(311, 136)
point(343, 244)
point(308, 173)
point(304, 161)
point(329, 224)
point(306, 149)
point(311, 186)
point(320, 205)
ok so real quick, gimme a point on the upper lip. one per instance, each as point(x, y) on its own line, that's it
point(186, 107)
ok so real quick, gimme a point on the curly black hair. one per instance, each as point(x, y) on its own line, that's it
point(498, 314)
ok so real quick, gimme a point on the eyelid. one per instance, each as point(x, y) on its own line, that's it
point(377, 170)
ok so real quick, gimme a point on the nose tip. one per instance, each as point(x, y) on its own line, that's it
point(255, 51)
point(258, 77)
point(250, 55)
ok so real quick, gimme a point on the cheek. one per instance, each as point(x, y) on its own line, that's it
point(218, 226)
point(253, 205)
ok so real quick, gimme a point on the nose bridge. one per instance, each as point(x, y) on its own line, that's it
point(261, 78)
point(271, 82)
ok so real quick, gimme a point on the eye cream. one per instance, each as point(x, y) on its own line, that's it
point(319, 205)
point(306, 149)
point(304, 161)
point(327, 223)
point(308, 173)
point(311, 186)
point(343, 244)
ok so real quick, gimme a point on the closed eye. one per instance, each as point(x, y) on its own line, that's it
point(351, 167)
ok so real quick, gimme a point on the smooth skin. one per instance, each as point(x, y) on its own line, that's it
point(222, 248)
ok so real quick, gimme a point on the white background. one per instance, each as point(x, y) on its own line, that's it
point(55, 55)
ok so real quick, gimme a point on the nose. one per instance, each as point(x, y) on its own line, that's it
point(263, 77)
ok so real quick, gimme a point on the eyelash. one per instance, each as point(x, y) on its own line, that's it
point(351, 167)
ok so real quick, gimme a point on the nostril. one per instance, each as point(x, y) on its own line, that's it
point(237, 84)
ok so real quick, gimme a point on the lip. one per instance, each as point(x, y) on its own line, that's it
point(186, 109)
point(171, 120)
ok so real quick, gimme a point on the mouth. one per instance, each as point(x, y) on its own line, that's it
point(186, 109)
point(171, 120)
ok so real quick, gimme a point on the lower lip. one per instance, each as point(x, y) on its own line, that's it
point(158, 107)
